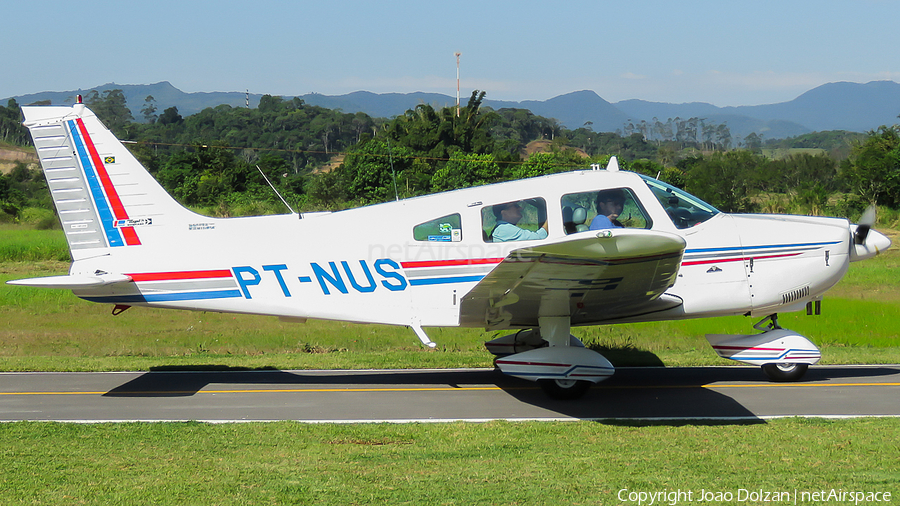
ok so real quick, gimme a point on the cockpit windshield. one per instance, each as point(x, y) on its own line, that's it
point(684, 209)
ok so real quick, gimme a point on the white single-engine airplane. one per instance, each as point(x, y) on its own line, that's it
point(537, 255)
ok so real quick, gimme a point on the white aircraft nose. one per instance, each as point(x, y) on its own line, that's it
point(876, 242)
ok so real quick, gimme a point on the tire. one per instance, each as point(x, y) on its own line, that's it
point(785, 372)
point(564, 389)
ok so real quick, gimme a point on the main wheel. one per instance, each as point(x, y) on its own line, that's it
point(564, 389)
point(785, 372)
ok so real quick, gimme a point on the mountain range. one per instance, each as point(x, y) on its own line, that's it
point(834, 106)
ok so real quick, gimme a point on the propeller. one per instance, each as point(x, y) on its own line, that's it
point(864, 225)
point(867, 242)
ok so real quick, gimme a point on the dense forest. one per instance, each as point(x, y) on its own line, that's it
point(321, 158)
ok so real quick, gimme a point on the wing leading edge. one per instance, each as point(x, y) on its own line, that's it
point(593, 277)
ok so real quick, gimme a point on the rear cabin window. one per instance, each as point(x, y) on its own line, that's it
point(444, 229)
point(603, 209)
point(518, 220)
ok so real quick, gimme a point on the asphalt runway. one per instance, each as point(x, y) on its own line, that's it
point(633, 395)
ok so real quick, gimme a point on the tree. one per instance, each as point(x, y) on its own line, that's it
point(800, 172)
point(21, 188)
point(465, 170)
point(206, 175)
point(753, 142)
point(725, 180)
point(112, 109)
point(371, 173)
point(472, 134)
point(540, 164)
point(170, 117)
point(723, 136)
point(327, 189)
point(11, 129)
point(149, 109)
point(873, 170)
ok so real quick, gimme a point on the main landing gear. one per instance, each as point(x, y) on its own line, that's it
point(556, 360)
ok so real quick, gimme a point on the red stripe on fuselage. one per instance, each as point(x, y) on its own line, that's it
point(170, 276)
point(739, 259)
point(450, 263)
point(755, 348)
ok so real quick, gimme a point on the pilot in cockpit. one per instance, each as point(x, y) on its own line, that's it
point(610, 204)
point(508, 215)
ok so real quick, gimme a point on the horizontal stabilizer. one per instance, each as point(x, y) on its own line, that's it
point(72, 282)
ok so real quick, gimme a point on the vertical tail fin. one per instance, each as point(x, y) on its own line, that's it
point(103, 195)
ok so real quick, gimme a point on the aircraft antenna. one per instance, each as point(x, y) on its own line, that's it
point(393, 174)
point(276, 191)
point(457, 82)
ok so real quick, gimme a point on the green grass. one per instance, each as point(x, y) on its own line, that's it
point(454, 463)
point(21, 244)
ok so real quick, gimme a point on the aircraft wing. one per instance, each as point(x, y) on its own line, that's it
point(595, 277)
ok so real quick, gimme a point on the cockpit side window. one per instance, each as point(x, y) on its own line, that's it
point(519, 220)
point(684, 209)
point(443, 229)
point(603, 209)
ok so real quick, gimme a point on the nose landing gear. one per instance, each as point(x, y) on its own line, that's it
point(783, 354)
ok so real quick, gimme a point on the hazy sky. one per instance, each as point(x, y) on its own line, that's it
point(722, 52)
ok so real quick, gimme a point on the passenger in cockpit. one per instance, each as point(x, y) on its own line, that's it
point(609, 206)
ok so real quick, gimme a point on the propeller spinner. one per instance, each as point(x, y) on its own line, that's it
point(867, 242)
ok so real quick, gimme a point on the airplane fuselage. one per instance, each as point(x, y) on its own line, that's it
point(369, 265)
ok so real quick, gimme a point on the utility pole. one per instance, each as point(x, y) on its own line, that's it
point(457, 83)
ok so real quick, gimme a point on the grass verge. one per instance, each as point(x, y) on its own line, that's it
point(456, 463)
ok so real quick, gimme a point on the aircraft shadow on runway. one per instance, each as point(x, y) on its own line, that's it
point(650, 394)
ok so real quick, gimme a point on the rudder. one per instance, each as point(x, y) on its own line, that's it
point(103, 195)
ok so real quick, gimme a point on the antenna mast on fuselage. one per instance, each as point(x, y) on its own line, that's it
point(457, 82)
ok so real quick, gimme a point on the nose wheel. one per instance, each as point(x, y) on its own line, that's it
point(564, 388)
point(785, 372)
